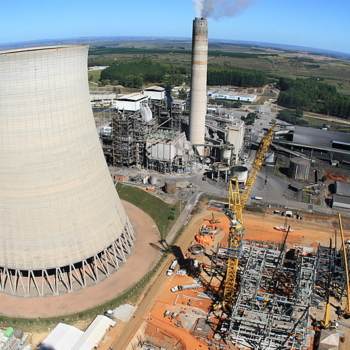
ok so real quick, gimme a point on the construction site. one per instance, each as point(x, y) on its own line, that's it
point(264, 290)
point(223, 288)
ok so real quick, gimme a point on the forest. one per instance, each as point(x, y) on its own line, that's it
point(136, 73)
point(226, 75)
point(139, 72)
point(313, 96)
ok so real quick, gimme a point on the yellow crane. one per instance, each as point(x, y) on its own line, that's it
point(325, 322)
point(236, 205)
point(346, 312)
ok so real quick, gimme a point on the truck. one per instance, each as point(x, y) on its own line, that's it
point(185, 287)
point(257, 198)
point(172, 267)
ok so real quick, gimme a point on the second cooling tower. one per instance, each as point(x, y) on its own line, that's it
point(62, 224)
point(198, 107)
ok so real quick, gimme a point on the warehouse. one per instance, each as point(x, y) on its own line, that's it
point(326, 145)
point(232, 95)
point(340, 202)
point(342, 188)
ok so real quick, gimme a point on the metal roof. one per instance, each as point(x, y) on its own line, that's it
point(317, 137)
point(155, 88)
point(63, 337)
point(133, 97)
point(337, 198)
point(342, 188)
point(93, 335)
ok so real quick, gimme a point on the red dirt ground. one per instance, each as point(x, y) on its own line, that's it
point(336, 177)
point(308, 233)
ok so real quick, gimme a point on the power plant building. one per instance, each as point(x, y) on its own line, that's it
point(63, 225)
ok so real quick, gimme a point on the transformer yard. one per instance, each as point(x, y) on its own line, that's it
point(280, 295)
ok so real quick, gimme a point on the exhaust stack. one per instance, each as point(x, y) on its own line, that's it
point(198, 107)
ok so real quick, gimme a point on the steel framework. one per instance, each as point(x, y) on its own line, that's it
point(272, 306)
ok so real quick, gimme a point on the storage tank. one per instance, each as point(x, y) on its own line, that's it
point(61, 215)
point(299, 169)
point(270, 157)
point(241, 173)
point(170, 187)
point(153, 180)
point(227, 156)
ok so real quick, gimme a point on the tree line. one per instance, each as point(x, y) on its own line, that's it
point(313, 96)
point(136, 73)
point(227, 75)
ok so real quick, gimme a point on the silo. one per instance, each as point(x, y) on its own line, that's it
point(299, 169)
point(226, 156)
point(241, 173)
point(63, 225)
point(153, 180)
point(170, 187)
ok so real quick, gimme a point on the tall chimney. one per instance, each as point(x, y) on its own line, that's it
point(198, 106)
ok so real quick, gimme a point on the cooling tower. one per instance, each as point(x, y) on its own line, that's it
point(63, 226)
point(198, 107)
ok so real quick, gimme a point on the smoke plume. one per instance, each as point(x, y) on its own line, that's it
point(220, 8)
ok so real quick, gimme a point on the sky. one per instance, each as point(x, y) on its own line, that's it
point(321, 24)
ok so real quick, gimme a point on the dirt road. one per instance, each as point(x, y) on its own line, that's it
point(156, 287)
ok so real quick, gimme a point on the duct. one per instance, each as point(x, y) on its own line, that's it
point(146, 113)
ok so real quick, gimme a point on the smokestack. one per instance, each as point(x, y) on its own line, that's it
point(198, 106)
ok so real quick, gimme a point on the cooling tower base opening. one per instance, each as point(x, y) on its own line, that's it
point(71, 278)
point(122, 282)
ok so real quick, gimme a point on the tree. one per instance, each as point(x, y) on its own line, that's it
point(183, 94)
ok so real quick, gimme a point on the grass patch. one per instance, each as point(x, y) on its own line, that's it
point(162, 213)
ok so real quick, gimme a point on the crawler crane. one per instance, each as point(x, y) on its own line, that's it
point(236, 205)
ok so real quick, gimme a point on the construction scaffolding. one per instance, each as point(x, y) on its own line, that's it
point(271, 308)
point(129, 137)
point(331, 259)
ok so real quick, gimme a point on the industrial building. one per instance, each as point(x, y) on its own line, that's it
point(151, 130)
point(326, 145)
point(231, 95)
point(299, 169)
point(64, 226)
point(66, 337)
point(341, 196)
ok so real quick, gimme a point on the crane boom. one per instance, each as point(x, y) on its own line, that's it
point(347, 307)
point(235, 214)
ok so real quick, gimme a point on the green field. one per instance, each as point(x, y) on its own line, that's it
point(273, 62)
point(159, 211)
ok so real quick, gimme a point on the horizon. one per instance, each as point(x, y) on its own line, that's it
point(278, 46)
point(299, 24)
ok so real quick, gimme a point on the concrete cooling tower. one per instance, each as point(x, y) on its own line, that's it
point(63, 226)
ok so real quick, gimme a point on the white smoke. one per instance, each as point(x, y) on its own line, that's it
point(220, 8)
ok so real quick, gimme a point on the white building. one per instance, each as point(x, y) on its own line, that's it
point(155, 92)
point(232, 95)
point(236, 136)
point(131, 102)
